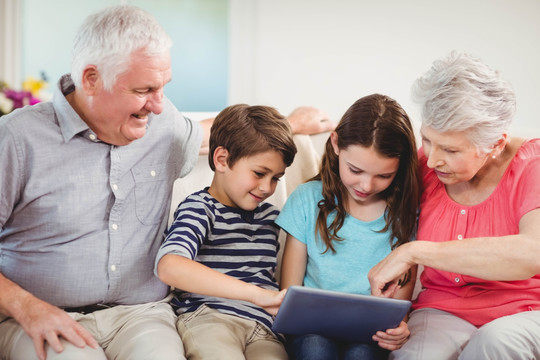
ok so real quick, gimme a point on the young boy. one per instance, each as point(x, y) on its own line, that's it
point(220, 252)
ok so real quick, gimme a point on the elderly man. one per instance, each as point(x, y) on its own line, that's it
point(84, 196)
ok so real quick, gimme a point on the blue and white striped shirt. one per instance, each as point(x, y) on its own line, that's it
point(242, 244)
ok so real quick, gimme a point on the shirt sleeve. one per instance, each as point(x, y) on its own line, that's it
point(192, 134)
point(527, 188)
point(294, 217)
point(10, 168)
point(191, 225)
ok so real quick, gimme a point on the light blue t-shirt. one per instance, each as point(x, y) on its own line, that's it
point(362, 248)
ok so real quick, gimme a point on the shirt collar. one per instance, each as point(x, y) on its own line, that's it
point(69, 121)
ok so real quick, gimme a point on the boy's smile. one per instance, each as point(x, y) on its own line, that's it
point(250, 181)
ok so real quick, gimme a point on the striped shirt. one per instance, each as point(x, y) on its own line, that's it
point(242, 244)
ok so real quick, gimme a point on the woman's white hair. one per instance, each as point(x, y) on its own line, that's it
point(108, 38)
point(461, 93)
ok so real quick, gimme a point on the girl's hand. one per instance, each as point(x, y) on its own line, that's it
point(269, 300)
point(393, 339)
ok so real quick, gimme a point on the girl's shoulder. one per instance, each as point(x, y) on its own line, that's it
point(308, 188)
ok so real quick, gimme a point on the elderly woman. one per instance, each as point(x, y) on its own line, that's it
point(479, 224)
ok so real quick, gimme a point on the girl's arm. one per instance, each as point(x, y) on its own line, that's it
point(393, 339)
point(505, 258)
point(294, 263)
point(189, 275)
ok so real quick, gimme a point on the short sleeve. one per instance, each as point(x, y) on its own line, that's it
point(191, 225)
point(298, 215)
point(527, 188)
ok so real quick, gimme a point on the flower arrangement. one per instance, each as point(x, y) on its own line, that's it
point(31, 93)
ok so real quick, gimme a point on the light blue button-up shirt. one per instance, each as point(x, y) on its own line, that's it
point(81, 220)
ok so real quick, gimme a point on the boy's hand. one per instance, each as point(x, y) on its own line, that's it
point(393, 339)
point(269, 300)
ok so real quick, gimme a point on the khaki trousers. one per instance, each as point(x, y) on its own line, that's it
point(208, 334)
point(440, 335)
point(124, 332)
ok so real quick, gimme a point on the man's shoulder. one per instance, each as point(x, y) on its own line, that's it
point(41, 114)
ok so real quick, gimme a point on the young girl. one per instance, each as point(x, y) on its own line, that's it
point(361, 205)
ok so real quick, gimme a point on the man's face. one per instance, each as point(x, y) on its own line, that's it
point(119, 116)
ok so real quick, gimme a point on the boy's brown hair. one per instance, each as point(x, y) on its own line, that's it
point(248, 130)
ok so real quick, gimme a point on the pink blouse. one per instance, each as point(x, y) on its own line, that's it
point(442, 219)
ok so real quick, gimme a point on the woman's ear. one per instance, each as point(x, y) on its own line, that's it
point(221, 159)
point(91, 80)
point(334, 141)
point(499, 146)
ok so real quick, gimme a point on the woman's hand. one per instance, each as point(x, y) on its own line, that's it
point(393, 339)
point(386, 277)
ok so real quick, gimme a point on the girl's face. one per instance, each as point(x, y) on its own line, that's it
point(364, 172)
point(452, 156)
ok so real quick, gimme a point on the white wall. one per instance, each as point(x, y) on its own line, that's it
point(328, 53)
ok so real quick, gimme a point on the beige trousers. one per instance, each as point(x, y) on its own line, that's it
point(208, 334)
point(133, 332)
point(439, 335)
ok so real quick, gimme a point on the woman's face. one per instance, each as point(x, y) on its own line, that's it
point(452, 155)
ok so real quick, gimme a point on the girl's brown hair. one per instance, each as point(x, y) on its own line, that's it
point(380, 122)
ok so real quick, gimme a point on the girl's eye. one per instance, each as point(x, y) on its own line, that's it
point(258, 174)
point(450, 151)
point(355, 171)
point(276, 179)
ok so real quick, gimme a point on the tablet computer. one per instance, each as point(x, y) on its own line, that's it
point(338, 315)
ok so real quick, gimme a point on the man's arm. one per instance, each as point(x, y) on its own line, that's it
point(306, 120)
point(42, 321)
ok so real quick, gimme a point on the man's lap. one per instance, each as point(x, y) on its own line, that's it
point(123, 332)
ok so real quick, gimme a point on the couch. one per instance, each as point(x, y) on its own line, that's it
point(305, 165)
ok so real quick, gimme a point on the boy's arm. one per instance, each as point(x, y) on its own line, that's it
point(294, 264)
point(189, 275)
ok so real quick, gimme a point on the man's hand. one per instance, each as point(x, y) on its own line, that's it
point(309, 120)
point(44, 322)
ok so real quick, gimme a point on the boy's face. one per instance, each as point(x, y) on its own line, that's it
point(250, 181)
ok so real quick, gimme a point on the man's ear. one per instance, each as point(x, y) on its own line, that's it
point(91, 80)
point(221, 159)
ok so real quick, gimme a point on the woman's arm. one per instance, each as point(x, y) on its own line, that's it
point(294, 264)
point(189, 275)
point(505, 258)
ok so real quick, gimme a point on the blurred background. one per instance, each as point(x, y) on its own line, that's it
point(286, 53)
